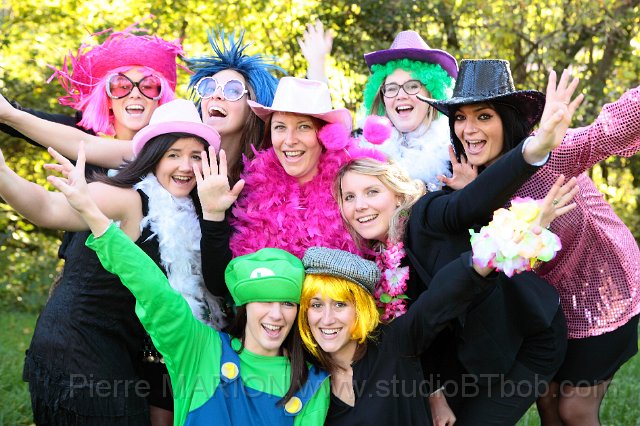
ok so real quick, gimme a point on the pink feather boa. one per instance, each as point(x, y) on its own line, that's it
point(278, 212)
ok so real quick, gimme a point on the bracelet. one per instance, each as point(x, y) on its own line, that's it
point(439, 390)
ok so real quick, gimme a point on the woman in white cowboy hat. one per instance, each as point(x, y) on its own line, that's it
point(254, 373)
point(286, 201)
point(88, 330)
point(596, 273)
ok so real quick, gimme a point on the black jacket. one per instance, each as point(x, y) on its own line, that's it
point(491, 331)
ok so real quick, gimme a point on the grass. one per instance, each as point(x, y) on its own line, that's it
point(621, 406)
point(15, 335)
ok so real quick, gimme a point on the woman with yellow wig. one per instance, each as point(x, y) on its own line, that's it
point(376, 376)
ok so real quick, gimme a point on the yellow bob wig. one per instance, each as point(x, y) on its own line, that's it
point(339, 289)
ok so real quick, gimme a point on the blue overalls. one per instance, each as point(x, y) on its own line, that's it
point(235, 404)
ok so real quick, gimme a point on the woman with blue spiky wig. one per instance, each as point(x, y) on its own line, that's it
point(240, 77)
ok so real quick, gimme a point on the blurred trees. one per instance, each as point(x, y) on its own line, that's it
point(599, 38)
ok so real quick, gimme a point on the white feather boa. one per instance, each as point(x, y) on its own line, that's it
point(175, 223)
point(424, 153)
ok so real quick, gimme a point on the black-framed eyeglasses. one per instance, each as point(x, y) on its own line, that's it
point(410, 87)
point(119, 86)
point(232, 90)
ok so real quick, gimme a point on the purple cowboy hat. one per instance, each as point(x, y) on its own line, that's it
point(409, 45)
point(489, 80)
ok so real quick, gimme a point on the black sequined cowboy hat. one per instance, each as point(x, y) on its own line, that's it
point(489, 80)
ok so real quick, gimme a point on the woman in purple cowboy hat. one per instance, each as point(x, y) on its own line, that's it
point(419, 138)
point(596, 273)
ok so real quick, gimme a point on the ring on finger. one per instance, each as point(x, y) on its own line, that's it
point(555, 202)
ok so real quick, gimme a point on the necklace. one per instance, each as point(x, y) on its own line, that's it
point(389, 293)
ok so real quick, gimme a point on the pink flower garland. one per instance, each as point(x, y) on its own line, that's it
point(389, 293)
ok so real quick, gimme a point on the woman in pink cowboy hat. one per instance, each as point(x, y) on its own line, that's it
point(84, 361)
point(286, 201)
point(596, 273)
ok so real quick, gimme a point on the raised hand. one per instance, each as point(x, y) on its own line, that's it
point(463, 172)
point(556, 117)
point(316, 45)
point(74, 186)
point(213, 186)
point(558, 200)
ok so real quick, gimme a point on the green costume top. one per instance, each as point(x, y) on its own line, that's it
point(211, 382)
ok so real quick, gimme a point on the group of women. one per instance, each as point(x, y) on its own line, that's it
point(271, 237)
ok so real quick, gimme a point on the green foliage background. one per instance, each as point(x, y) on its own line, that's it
point(600, 38)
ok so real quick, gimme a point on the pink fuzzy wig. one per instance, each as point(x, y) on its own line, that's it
point(83, 74)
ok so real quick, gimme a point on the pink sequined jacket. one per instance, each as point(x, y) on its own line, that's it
point(597, 272)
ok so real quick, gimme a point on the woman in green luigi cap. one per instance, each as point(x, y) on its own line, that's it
point(255, 373)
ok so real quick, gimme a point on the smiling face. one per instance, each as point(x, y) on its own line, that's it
point(175, 170)
point(406, 112)
point(295, 142)
point(331, 322)
point(227, 117)
point(268, 324)
point(132, 112)
point(367, 205)
point(479, 128)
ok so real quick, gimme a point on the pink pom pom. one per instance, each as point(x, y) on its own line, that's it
point(358, 152)
point(334, 136)
point(376, 129)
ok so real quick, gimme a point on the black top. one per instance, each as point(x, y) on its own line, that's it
point(216, 255)
point(388, 381)
point(438, 231)
point(88, 334)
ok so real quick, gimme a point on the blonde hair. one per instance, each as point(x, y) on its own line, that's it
point(339, 289)
point(397, 180)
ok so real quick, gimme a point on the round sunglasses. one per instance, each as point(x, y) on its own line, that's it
point(119, 86)
point(232, 90)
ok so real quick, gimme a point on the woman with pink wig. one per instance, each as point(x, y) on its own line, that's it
point(115, 86)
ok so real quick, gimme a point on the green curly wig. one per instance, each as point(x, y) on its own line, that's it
point(433, 76)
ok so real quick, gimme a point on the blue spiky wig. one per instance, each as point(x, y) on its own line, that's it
point(228, 53)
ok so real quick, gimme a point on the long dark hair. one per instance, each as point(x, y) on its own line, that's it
point(292, 344)
point(252, 138)
point(514, 126)
point(131, 172)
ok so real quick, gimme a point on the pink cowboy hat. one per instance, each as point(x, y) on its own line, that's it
point(302, 96)
point(176, 116)
point(409, 45)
